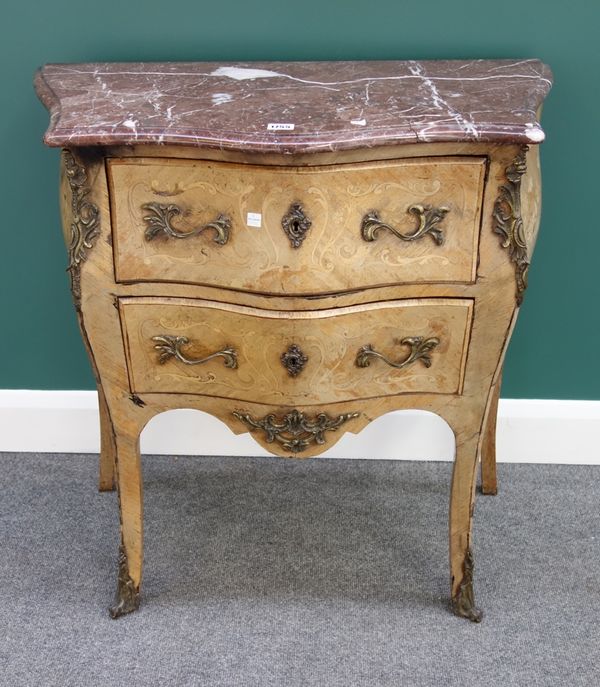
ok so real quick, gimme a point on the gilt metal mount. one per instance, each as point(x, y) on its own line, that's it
point(85, 222)
point(170, 347)
point(296, 224)
point(463, 602)
point(294, 360)
point(428, 217)
point(508, 221)
point(160, 217)
point(127, 597)
point(420, 349)
point(295, 431)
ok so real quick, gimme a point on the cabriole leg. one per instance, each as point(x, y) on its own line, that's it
point(106, 477)
point(129, 484)
point(489, 483)
point(461, 510)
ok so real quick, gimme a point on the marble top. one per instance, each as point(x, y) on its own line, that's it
point(293, 107)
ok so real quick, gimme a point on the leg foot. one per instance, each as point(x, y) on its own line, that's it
point(462, 503)
point(463, 602)
point(128, 597)
point(129, 480)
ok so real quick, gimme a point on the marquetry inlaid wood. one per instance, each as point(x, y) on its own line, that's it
point(330, 339)
point(297, 320)
point(335, 198)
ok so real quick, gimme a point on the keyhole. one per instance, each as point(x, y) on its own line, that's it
point(295, 224)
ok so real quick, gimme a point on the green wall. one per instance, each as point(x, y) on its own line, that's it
point(554, 353)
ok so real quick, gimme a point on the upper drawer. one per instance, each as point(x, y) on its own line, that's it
point(296, 230)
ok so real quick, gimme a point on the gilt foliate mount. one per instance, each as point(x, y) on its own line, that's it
point(127, 598)
point(169, 346)
point(420, 349)
point(296, 431)
point(294, 360)
point(296, 223)
point(159, 222)
point(508, 221)
point(463, 602)
point(428, 221)
point(85, 221)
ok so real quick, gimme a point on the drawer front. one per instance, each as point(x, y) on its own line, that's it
point(296, 230)
point(284, 357)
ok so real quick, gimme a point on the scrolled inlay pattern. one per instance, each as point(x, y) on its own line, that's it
point(295, 431)
point(169, 346)
point(428, 216)
point(85, 222)
point(420, 349)
point(159, 221)
point(508, 221)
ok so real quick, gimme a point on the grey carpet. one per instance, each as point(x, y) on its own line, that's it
point(266, 572)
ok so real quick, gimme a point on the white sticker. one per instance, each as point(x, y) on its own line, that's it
point(254, 219)
point(280, 127)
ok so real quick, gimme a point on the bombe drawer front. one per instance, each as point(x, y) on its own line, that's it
point(286, 357)
point(296, 230)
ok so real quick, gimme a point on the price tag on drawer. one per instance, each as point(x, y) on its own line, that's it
point(254, 219)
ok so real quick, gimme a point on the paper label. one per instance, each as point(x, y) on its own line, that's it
point(280, 127)
point(254, 219)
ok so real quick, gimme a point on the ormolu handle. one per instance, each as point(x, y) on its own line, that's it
point(429, 217)
point(170, 347)
point(420, 349)
point(159, 222)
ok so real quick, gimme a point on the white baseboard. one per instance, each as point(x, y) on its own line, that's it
point(529, 431)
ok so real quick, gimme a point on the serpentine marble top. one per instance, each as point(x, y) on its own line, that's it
point(293, 107)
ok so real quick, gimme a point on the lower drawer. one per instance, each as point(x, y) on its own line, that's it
point(295, 357)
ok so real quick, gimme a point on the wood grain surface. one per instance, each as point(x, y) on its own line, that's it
point(333, 257)
point(353, 297)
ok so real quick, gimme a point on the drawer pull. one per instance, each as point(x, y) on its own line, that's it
point(295, 431)
point(160, 217)
point(429, 217)
point(420, 349)
point(295, 224)
point(294, 360)
point(170, 347)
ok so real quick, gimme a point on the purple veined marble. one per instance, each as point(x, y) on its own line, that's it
point(293, 107)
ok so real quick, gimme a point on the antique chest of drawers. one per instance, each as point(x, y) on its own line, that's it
point(298, 248)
